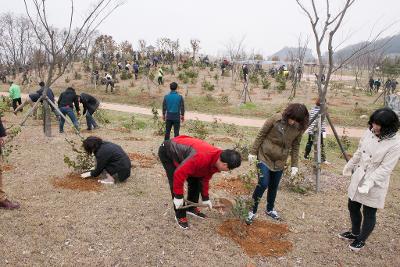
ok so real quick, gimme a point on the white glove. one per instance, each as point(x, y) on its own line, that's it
point(86, 175)
point(294, 171)
point(365, 187)
point(208, 203)
point(178, 202)
point(324, 135)
point(252, 158)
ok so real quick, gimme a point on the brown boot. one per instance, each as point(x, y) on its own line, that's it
point(8, 205)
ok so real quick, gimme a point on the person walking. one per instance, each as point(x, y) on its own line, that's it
point(280, 135)
point(370, 169)
point(112, 163)
point(160, 76)
point(66, 102)
point(185, 158)
point(311, 133)
point(5, 203)
point(173, 110)
point(15, 95)
point(90, 105)
point(136, 70)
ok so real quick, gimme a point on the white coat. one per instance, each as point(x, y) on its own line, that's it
point(370, 169)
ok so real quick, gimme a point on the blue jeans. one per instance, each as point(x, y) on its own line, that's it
point(266, 179)
point(67, 111)
point(91, 123)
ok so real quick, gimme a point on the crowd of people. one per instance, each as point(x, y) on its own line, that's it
point(194, 161)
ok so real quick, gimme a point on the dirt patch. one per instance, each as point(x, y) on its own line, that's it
point(121, 130)
point(132, 138)
point(262, 238)
point(74, 181)
point(7, 167)
point(143, 160)
point(234, 186)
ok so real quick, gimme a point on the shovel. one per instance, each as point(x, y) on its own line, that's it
point(221, 207)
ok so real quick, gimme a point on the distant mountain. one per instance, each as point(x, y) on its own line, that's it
point(284, 54)
point(390, 46)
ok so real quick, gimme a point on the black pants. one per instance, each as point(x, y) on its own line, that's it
point(309, 145)
point(111, 84)
point(194, 184)
point(168, 127)
point(15, 101)
point(368, 219)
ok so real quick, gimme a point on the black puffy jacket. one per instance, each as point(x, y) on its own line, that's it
point(113, 159)
point(90, 103)
point(68, 98)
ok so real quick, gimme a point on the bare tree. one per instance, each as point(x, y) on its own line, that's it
point(63, 45)
point(296, 57)
point(235, 50)
point(17, 44)
point(195, 43)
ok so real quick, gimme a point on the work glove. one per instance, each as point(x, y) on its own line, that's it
point(324, 135)
point(252, 158)
point(365, 187)
point(86, 175)
point(208, 203)
point(178, 202)
point(294, 171)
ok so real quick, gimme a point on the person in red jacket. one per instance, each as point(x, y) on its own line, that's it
point(185, 158)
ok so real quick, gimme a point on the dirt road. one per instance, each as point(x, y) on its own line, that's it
point(250, 122)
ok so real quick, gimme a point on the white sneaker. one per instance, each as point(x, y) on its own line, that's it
point(105, 181)
point(273, 214)
point(250, 218)
point(326, 162)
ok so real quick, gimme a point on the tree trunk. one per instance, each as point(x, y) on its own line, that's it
point(46, 118)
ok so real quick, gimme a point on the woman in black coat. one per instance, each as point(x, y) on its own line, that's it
point(112, 163)
point(90, 105)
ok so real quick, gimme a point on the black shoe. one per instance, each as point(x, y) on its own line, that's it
point(357, 245)
point(347, 236)
point(194, 211)
point(182, 222)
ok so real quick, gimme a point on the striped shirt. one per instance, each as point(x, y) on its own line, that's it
point(314, 124)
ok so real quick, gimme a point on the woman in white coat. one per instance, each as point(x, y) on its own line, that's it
point(370, 169)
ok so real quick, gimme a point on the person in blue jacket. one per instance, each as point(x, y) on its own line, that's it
point(173, 111)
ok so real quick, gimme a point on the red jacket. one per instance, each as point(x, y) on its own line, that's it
point(193, 158)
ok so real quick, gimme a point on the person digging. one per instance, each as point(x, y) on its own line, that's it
point(112, 163)
point(90, 105)
point(185, 158)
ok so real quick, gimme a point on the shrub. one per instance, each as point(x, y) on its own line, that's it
point(206, 85)
point(5, 105)
point(102, 116)
point(254, 78)
point(158, 123)
point(265, 83)
point(77, 76)
point(243, 147)
point(134, 124)
point(82, 161)
point(223, 100)
point(242, 207)
point(125, 75)
point(197, 128)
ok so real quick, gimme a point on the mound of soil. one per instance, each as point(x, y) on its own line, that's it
point(234, 186)
point(74, 181)
point(262, 238)
point(143, 160)
point(7, 167)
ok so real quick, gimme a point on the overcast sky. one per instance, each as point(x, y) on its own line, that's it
point(266, 25)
